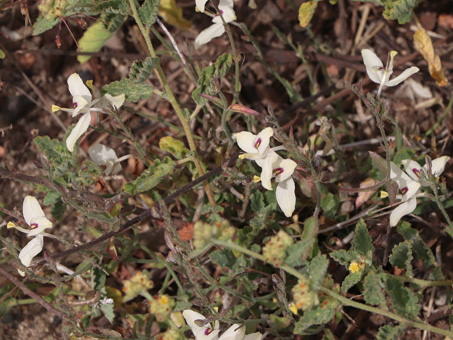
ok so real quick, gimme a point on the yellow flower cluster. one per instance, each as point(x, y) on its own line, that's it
point(139, 284)
point(203, 232)
point(161, 306)
point(275, 249)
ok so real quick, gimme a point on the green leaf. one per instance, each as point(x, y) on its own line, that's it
point(98, 279)
point(373, 293)
point(306, 12)
point(330, 205)
point(388, 332)
point(42, 24)
point(317, 270)
point(108, 310)
point(141, 70)
point(112, 7)
point(350, 280)
point(419, 247)
point(402, 155)
point(93, 39)
point(362, 242)
point(58, 209)
point(344, 257)
point(150, 177)
point(174, 147)
point(297, 253)
point(404, 301)
point(112, 22)
point(400, 9)
point(216, 70)
point(62, 162)
point(402, 257)
point(51, 198)
point(133, 92)
point(2, 54)
point(379, 162)
point(315, 316)
point(148, 12)
point(223, 258)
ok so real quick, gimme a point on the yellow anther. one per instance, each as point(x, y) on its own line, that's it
point(292, 307)
point(256, 179)
point(55, 108)
point(11, 225)
point(384, 194)
point(90, 84)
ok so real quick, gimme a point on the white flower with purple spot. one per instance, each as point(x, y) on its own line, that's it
point(38, 222)
point(410, 181)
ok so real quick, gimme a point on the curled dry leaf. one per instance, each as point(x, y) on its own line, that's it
point(306, 12)
point(364, 196)
point(424, 45)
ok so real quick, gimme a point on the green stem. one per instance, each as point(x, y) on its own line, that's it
point(441, 119)
point(173, 101)
point(423, 283)
point(444, 212)
point(343, 300)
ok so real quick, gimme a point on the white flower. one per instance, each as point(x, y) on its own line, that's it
point(38, 222)
point(84, 103)
point(255, 146)
point(410, 182)
point(282, 170)
point(204, 331)
point(381, 75)
point(102, 155)
point(217, 29)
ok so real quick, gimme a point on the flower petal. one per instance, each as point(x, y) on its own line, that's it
point(77, 88)
point(398, 175)
point(228, 15)
point(403, 76)
point(438, 165)
point(264, 136)
point(31, 209)
point(78, 130)
point(200, 4)
point(288, 166)
point(254, 336)
point(209, 33)
point(372, 64)
point(267, 169)
point(246, 141)
point(80, 104)
point(235, 332)
point(286, 196)
point(206, 332)
point(32, 249)
point(403, 209)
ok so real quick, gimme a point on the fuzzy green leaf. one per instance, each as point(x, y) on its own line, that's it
point(388, 332)
point(344, 257)
point(404, 301)
point(108, 310)
point(317, 270)
point(150, 177)
point(362, 242)
point(350, 280)
point(42, 24)
point(141, 70)
point(112, 22)
point(419, 247)
point(373, 293)
point(379, 162)
point(93, 39)
point(148, 12)
point(112, 7)
point(133, 92)
point(315, 316)
point(330, 205)
point(402, 257)
point(400, 9)
point(58, 209)
point(98, 279)
point(216, 70)
point(298, 252)
point(51, 198)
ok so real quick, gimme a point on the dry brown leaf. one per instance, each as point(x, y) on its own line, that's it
point(424, 45)
point(446, 20)
point(365, 195)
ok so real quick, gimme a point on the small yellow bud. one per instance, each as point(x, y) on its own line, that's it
point(292, 307)
point(384, 194)
point(242, 156)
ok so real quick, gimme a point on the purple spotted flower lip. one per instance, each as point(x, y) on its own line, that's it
point(255, 146)
point(410, 182)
